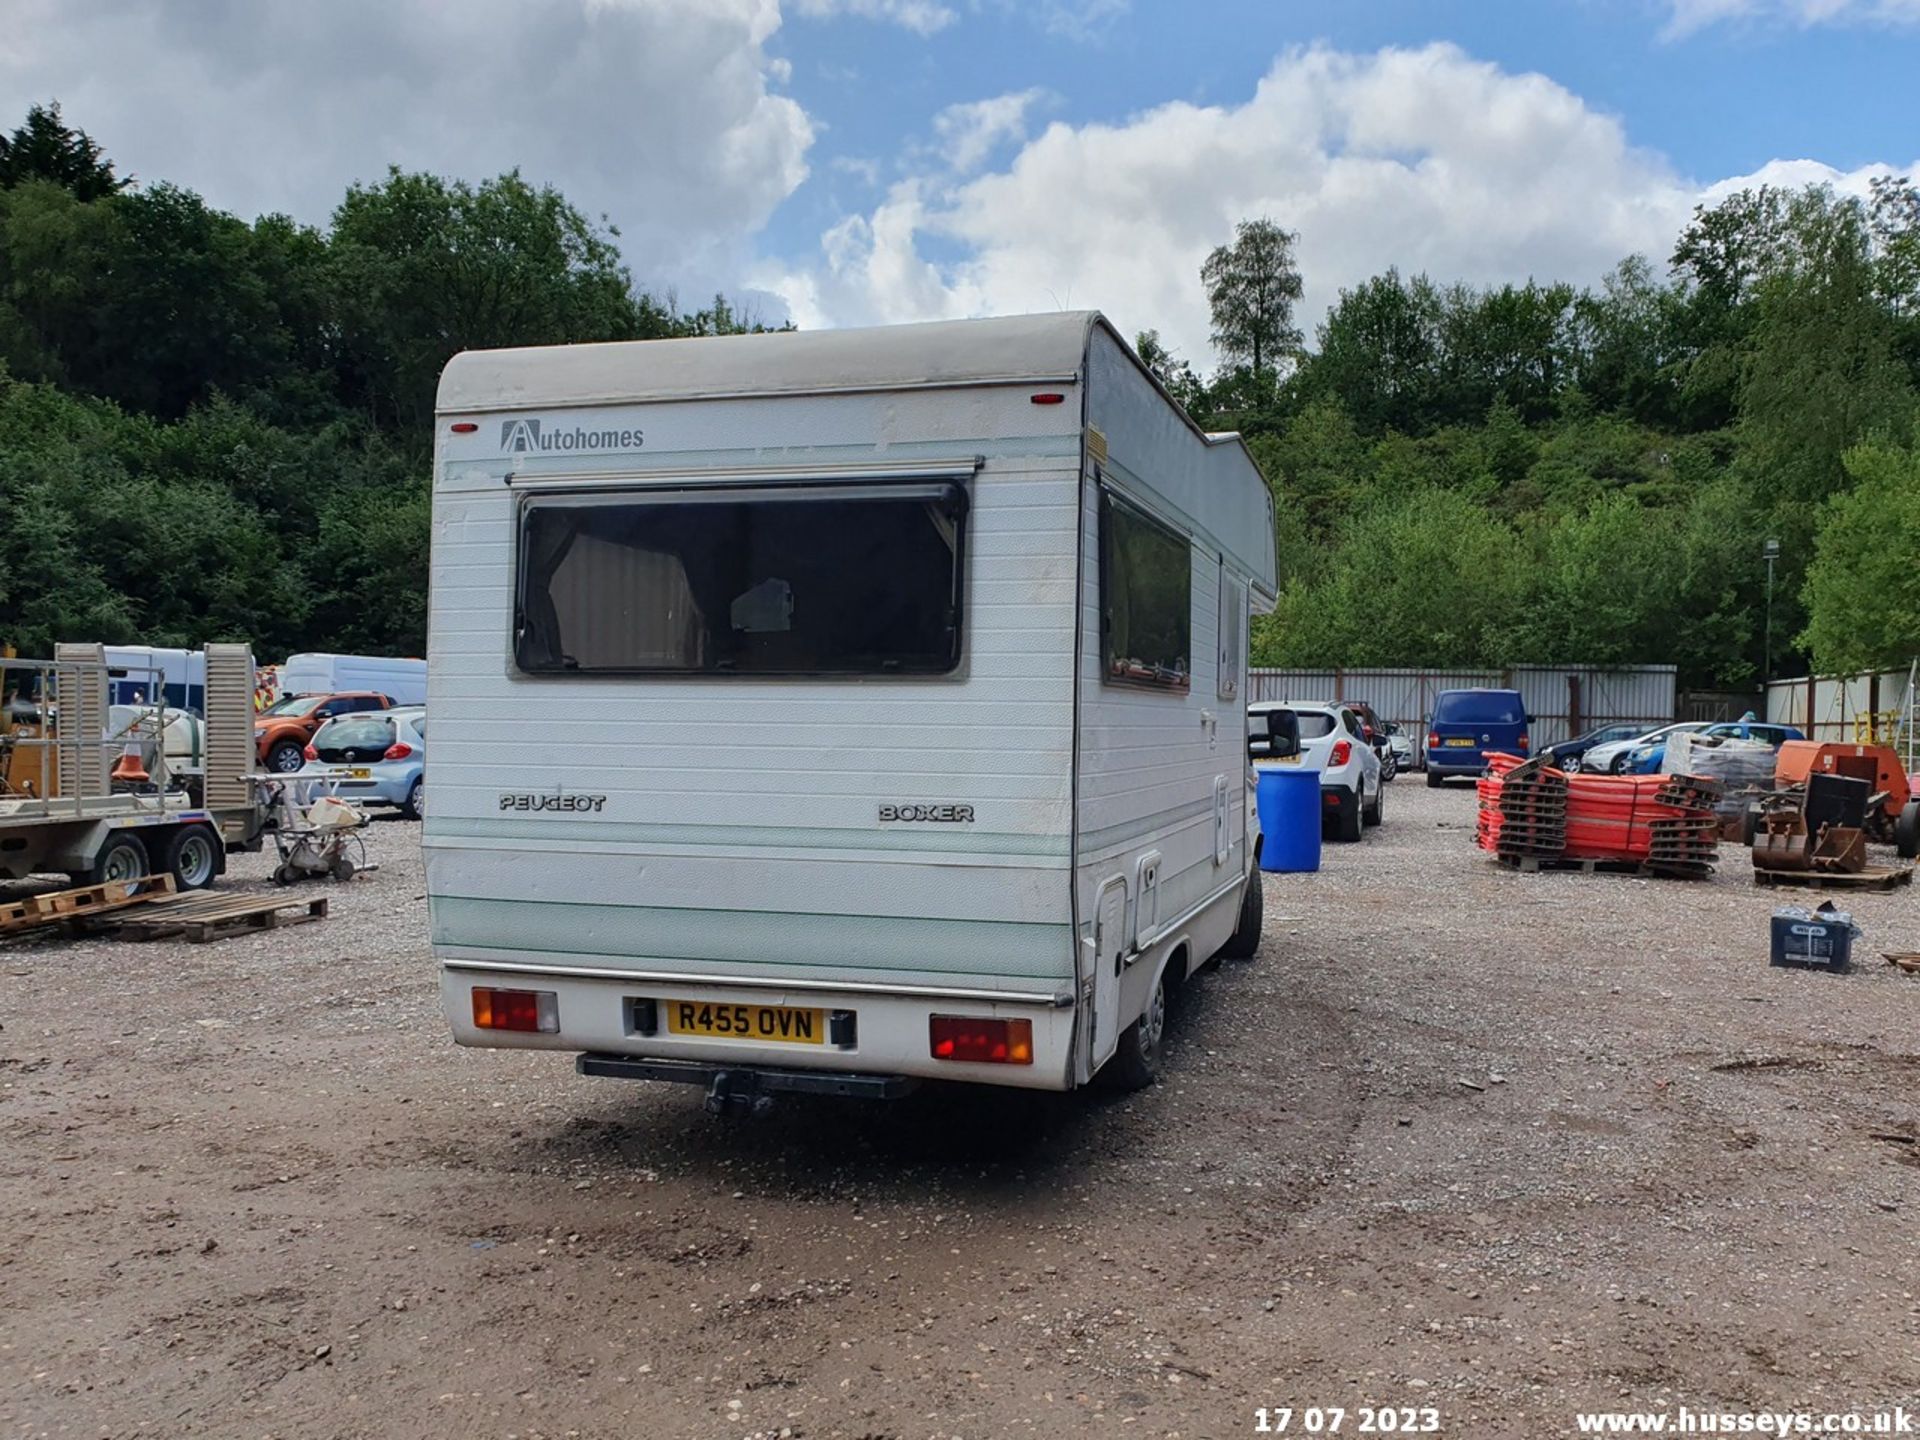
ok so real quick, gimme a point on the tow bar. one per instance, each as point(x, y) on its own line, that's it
point(733, 1090)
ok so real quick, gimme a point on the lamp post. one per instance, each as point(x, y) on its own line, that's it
point(1772, 552)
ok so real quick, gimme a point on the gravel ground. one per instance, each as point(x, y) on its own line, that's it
point(1507, 1146)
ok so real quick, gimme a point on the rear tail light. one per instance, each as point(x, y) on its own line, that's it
point(309, 753)
point(969, 1037)
point(1342, 753)
point(1523, 739)
point(1433, 739)
point(400, 750)
point(533, 1011)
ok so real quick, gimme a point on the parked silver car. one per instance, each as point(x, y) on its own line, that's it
point(377, 757)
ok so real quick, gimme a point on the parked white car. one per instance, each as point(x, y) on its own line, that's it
point(1326, 738)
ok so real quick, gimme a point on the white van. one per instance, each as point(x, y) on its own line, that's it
point(151, 675)
point(888, 689)
point(404, 680)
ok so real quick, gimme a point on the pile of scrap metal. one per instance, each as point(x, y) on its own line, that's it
point(1534, 814)
point(1821, 827)
point(1881, 794)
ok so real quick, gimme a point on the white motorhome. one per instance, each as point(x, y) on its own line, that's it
point(834, 710)
point(404, 681)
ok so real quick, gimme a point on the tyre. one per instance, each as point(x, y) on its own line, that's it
point(285, 757)
point(1617, 766)
point(1906, 831)
point(414, 807)
point(192, 857)
point(1245, 939)
point(1348, 826)
point(1433, 781)
point(1750, 826)
point(1135, 1064)
point(122, 858)
point(342, 869)
point(1389, 766)
point(285, 875)
point(1378, 814)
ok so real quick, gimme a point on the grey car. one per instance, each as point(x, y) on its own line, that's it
point(378, 757)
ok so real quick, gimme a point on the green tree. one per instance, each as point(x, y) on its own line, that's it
point(425, 268)
point(46, 148)
point(1252, 286)
point(1862, 592)
point(1820, 373)
point(1379, 349)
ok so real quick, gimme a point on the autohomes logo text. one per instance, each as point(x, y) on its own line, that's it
point(536, 437)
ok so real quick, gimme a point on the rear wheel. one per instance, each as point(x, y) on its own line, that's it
point(1378, 813)
point(1245, 939)
point(1433, 781)
point(285, 757)
point(414, 806)
point(1389, 765)
point(1348, 824)
point(1906, 831)
point(1136, 1061)
point(192, 857)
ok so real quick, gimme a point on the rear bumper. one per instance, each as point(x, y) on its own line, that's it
point(598, 1020)
point(1338, 799)
point(1456, 762)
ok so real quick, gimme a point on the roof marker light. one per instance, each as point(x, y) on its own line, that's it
point(464, 427)
point(1048, 397)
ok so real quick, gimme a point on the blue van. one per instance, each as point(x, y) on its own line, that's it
point(1469, 725)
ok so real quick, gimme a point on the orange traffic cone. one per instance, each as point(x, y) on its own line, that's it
point(128, 769)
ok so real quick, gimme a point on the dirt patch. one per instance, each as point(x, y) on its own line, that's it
point(1505, 1145)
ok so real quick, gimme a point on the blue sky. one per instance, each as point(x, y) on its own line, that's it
point(853, 161)
point(1721, 100)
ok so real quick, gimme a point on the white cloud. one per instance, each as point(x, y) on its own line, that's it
point(1691, 15)
point(655, 112)
point(1422, 159)
point(970, 132)
point(923, 17)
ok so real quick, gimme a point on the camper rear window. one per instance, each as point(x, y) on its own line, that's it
point(1146, 599)
point(798, 580)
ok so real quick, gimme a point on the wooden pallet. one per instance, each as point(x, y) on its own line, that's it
point(1868, 880)
point(1903, 960)
point(1677, 869)
point(54, 906)
point(206, 916)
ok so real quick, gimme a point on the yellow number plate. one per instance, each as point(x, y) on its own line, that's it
point(1463, 744)
point(359, 774)
point(781, 1024)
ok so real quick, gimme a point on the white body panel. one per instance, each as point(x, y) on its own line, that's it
point(314, 674)
point(734, 847)
point(142, 674)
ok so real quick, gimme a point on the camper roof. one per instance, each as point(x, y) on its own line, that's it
point(1010, 350)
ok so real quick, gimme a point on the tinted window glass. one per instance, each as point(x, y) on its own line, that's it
point(1308, 724)
point(1146, 599)
point(1479, 707)
point(353, 732)
point(802, 580)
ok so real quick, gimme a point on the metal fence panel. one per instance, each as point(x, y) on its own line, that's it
point(1561, 700)
point(1847, 708)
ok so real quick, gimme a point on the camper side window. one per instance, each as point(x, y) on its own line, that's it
point(1146, 599)
point(833, 579)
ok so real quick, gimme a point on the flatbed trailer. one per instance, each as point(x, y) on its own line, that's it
point(66, 817)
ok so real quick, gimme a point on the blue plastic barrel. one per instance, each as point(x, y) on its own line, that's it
point(1289, 803)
